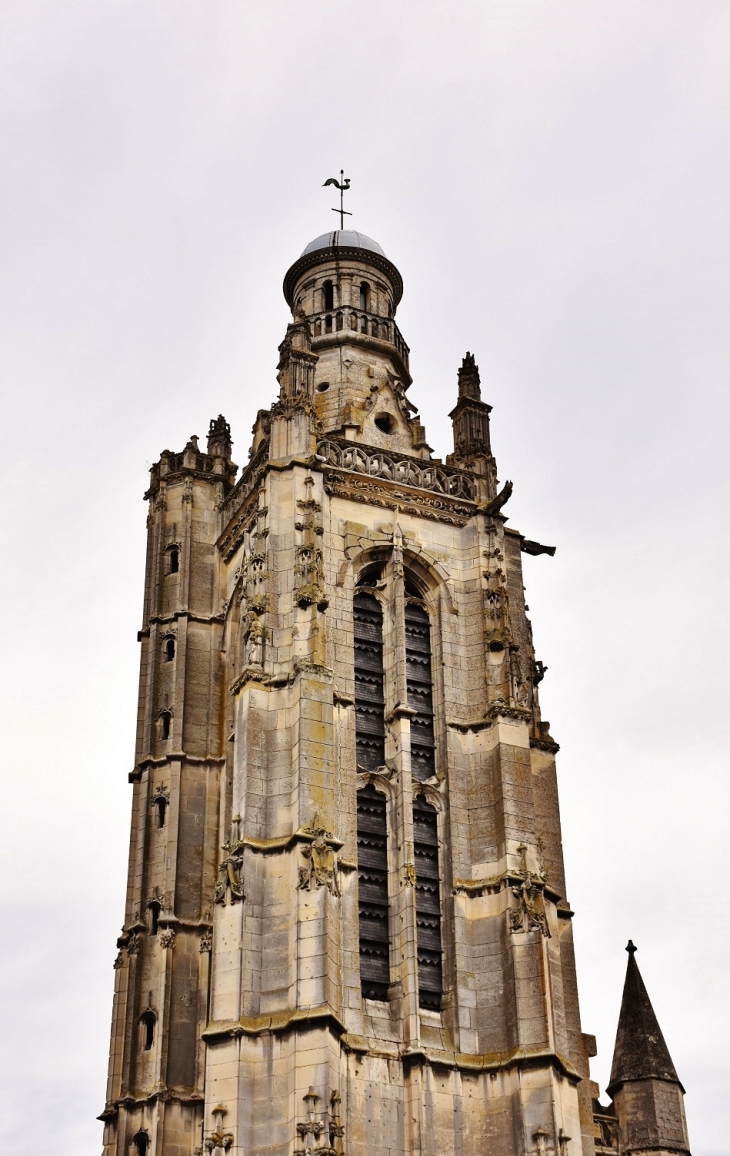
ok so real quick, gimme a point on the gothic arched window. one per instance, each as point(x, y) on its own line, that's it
point(173, 560)
point(375, 641)
point(428, 903)
point(169, 649)
point(369, 701)
point(420, 696)
point(154, 917)
point(142, 1143)
point(161, 804)
point(372, 870)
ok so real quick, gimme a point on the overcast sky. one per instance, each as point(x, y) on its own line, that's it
point(553, 181)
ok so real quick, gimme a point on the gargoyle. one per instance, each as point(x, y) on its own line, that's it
point(501, 499)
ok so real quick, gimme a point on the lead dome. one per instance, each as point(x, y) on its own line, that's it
point(343, 239)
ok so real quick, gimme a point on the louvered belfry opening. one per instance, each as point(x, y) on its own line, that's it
point(372, 867)
point(369, 703)
point(420, 698)
point(428, 903)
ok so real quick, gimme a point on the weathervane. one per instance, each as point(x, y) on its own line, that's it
point(342, 184)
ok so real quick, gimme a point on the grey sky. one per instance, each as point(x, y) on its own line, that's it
point(552, 179)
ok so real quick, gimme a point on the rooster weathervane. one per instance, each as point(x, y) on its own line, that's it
point(342, 184)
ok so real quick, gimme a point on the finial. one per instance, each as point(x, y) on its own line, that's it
point(631, 947)
point(342, 184)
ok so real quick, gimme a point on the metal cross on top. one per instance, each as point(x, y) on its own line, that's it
point(342, 184)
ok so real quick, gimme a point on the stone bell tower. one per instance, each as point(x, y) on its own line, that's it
point(347, 931)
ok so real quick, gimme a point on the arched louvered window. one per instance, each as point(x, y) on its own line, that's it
point(428, 903)
point(369, 703)
point(420, 697)
point(372, 868)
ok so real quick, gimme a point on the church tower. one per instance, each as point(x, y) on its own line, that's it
point(347, 931)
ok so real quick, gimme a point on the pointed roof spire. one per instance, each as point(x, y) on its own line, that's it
point(640, 1052)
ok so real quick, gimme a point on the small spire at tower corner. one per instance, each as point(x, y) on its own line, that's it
point(469, 380)
point(220, 444)
point(631, 948)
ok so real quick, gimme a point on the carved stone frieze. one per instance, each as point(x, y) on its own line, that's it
point(392, 497)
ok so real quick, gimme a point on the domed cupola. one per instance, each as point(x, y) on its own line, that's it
point(349, 292)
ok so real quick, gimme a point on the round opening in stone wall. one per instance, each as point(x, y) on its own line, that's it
point(323, 387)
point(384, 422)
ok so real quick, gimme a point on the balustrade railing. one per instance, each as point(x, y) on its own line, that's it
point(348, 317)
point(397, 469)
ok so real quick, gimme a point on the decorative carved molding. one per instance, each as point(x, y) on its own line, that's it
point(529, 914)
point(167, 938)
point(378, 493)
point(218, 1142)
point(206, 941)
point(321, 867)
point(501, 709)
point(119, 961)
point(229, 882)
point(397, 468)
point(309, 586)
point(321, 1134)
point(133, 944)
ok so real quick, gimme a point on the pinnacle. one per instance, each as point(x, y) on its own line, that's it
point(640, 1052)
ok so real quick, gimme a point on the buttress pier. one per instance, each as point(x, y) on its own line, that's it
point(347, 930)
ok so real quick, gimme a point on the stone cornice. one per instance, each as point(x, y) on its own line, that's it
point(219, 1031)
point(493, 1061)
point(548, 745)
point(163, 1095)
point(173, 757)
point(338, 254)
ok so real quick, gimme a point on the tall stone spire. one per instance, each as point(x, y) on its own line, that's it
point(644, 1083)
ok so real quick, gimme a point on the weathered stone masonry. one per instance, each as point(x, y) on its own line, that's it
point(347, 928)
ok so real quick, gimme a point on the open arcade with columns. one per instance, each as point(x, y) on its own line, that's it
point(347, 931)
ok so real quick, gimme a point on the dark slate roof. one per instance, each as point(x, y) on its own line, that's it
point(640, 1052)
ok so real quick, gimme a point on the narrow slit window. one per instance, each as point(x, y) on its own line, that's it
point(161, 805)
point(147, 1022)
point(369, 703)
point(372, 869)
point(328, 295)
point(154, 918)
point(169, 649)
point(420, 696)
point(165, 721)
point(364, 295)
point(142, 1143)
point(428, 904)
point(174, 555)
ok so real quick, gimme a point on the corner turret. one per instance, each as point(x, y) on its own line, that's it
point(470, 419)
point(644, 1086)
